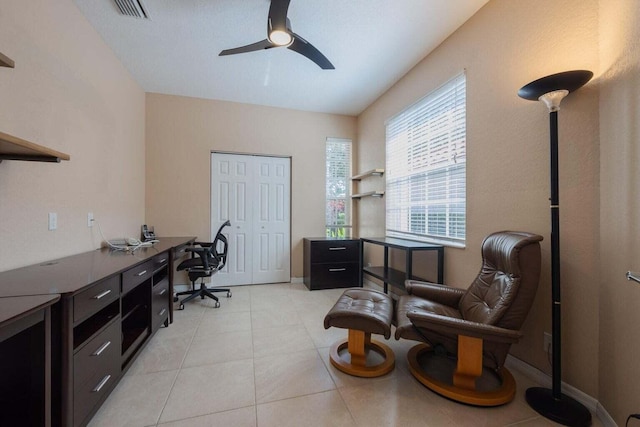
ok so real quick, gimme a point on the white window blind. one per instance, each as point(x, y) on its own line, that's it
point(426, 166)
point(338, 184)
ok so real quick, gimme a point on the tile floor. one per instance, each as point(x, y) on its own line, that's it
point(261, 360)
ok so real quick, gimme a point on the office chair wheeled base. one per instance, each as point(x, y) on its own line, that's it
point(479, 388)
point(202, 293)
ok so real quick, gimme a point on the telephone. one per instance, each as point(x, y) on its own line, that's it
point(147, 233)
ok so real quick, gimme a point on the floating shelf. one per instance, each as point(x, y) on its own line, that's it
point(372, 172)
point(5, 61)
point(12, 148)
point(368, 194)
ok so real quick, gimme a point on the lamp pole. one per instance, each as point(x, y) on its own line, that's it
point(552, 404)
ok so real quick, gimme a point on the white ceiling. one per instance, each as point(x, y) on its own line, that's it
point(371, 43)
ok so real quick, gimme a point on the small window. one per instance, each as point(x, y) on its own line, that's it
point(426, 167)
point(338, 184)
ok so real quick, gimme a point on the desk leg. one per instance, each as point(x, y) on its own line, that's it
point(361, 264)
point(441, 266)
point(386, 268)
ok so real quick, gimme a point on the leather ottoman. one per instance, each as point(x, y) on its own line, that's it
point(363, 312)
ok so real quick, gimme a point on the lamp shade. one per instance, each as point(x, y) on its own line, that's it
point(568, 80)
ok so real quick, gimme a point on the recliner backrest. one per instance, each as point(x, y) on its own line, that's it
point(504, 290)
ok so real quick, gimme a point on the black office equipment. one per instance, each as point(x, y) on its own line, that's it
point(207, 259)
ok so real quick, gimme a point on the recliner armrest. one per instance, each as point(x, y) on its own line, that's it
point(450, 325)
point(441, 294)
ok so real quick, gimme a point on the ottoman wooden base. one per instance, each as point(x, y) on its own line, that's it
point(357, 345)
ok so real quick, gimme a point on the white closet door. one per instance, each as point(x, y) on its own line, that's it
point(253, 192)
point(231, 197)
point(272, 242)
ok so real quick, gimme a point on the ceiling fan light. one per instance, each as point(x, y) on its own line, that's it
point(280, 38)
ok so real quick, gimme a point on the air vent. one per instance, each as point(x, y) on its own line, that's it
point(133, 8)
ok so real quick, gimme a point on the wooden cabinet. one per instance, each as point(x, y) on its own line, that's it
point(331, 263)
point(25, 360)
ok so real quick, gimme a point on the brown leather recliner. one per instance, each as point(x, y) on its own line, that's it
point(474, 327)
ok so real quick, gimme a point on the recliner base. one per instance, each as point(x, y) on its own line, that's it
point(501, 391)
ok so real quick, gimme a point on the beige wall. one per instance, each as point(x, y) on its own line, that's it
point(68, 91)
point(619, 207)
point(182, 132)
point(507, 44)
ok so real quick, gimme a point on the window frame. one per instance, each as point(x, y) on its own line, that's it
point(425, 170)
point(336, 229)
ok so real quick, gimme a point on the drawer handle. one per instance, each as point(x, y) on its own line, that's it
point(142, 273)
point(102, 348)
point(162, 292)
point(101, 384)
point(163, 311)
point(102, 294)
point(162, 261)
point(333, 270)
point(338, 248)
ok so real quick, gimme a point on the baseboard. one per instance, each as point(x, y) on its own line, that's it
point(297, 280)
point(544, 379)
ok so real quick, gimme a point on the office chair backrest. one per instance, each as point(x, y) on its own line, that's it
point(220, 247)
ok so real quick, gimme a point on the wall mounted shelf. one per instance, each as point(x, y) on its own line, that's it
point(5, 61)
point(368, 194)
point(372, 172)
point(13, 148)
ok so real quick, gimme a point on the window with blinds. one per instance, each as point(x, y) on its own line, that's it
point(338, 184)
point(426, 166)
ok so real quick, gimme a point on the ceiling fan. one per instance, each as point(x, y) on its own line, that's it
point(279, 34)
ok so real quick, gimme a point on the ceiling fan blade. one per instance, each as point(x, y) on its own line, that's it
point(305, 48)
point(261, 45)
point(278, 15)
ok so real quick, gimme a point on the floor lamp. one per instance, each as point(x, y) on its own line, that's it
point(552, 404)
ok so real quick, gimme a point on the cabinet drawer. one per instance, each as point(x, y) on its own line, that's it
point(336, 275)
point(136, 275)
point(335, 251)
point(160, 303)
point(160, 261)
point(104, 349)
point(98, 296)
point(94, 390)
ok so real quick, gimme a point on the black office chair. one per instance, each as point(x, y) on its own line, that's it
point(206, 260)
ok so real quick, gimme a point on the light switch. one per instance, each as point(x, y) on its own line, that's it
point(53, 221)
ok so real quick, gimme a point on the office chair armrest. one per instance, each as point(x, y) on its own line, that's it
point(441, 294)
point(203, 254)
point(197, 250)
point(452, 325)
point(203, 244)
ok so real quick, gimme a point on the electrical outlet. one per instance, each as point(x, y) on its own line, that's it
point(90, 219)
point(547, 343)
point(53, 221)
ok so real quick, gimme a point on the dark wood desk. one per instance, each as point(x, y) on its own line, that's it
point(394, 277)
point(111, 303)
point(25, 360)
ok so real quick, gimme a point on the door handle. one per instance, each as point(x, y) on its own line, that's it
point(333, 270)
point(338, 248)
point(142, 273)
